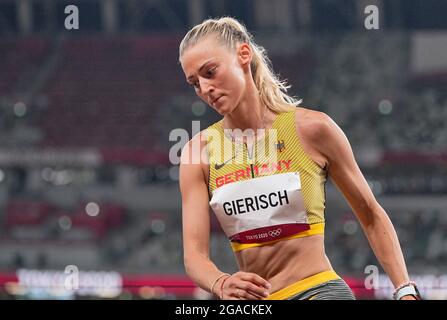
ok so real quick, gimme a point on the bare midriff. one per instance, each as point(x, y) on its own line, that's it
point(285, 262)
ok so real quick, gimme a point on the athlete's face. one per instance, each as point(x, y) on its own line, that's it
point(218, 74)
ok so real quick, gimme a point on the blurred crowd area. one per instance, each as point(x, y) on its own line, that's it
point(85, 125)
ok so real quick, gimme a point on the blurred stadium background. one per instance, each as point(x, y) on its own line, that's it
point(85, 117)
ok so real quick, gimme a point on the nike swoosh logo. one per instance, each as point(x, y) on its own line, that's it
point(219, 166)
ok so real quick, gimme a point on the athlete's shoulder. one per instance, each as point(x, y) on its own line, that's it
point(196, 146)
point(199, 139)
point(313, 124)
point(193, 149)
point(310, 115)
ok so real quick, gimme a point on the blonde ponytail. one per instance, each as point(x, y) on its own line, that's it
point(230, 32)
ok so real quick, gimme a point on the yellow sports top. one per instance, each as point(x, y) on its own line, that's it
point(279, 151)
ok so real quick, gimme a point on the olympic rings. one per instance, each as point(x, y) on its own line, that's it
point(274, 233)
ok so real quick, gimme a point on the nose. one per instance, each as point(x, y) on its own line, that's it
point(205, 86)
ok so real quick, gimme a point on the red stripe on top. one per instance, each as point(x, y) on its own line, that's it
point(270, 233)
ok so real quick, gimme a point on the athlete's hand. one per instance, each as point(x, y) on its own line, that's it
point(245, 286)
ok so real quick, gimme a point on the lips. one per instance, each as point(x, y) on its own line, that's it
point(215, 100)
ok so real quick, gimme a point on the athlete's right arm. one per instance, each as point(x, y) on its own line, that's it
point(195, 218)
point(196, 233)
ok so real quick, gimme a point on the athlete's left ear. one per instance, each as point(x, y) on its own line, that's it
point(244, 54)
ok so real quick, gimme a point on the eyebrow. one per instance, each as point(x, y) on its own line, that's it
point(203, 66)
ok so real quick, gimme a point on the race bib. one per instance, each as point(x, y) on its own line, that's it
point(261, 209)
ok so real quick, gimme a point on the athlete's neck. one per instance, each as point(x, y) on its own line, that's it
point(249, 114)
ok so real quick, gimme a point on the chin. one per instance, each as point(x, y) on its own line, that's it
point(222, 110)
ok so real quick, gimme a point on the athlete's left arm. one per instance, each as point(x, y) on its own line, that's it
point(346, 175)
